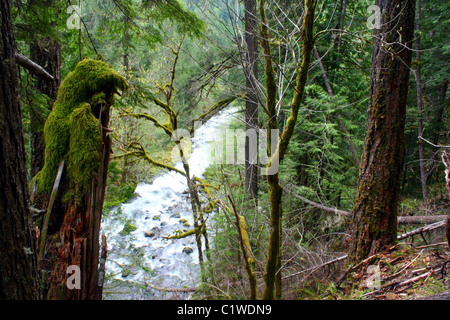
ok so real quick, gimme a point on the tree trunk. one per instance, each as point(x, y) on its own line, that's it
point(77, 242)
point(46, 52)
point(18, 270)
point(251, 99)
point(423, 175)
point(446, 161)
point(374, 217)
point(273, 277)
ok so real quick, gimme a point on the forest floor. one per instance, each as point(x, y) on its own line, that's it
point(401, 272)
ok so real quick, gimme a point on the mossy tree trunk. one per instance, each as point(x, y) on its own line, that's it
point(272, 277)
point(374, 219)
point(18, 269)
point(77, 241)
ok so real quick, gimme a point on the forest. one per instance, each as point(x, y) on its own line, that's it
point(224, 150)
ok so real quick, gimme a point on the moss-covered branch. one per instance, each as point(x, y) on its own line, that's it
point(140, 152)
point(180, 235)
point(215, 109)
point(249, 260)
point(167, 127)
point(273, 265)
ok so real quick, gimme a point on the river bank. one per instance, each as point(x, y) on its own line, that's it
point(140, 257)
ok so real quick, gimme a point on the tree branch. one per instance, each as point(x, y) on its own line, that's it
point(33, 67)
point(166, 127)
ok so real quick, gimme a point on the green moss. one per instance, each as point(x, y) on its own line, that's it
point(72, 132)
point(127, 229)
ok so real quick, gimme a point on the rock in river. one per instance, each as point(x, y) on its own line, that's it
point(188, 250)
point(149, 234)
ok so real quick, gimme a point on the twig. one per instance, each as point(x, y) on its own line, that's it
point(171, 289)
point(403, 269)
point(432, 245)
point(434, 145)
point(315, 268)
point(404, 283)
point(223, 292)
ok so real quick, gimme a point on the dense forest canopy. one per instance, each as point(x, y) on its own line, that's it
point(99, 95)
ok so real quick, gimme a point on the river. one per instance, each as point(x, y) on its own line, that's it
point(139, 257)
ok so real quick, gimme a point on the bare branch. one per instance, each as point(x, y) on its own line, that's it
point(33, 67)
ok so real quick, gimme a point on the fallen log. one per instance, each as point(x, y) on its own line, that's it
point(400, 219)
point(428, 227)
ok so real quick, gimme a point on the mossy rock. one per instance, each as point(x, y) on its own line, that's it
point(127, 229)
point(72, 132)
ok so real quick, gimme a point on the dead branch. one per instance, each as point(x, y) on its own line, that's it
point(315, 268)
point(428, 227)
point(48, 214)
point(102, 264)
point(33, 67)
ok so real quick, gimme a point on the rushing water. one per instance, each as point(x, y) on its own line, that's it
point(143, 256)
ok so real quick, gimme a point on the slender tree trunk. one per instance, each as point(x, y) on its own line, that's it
point(272, 277)
point(45, 52)
point(18, 269)
point(423, 175)
point(446, 161)
point(251, 100)
point(374, 218)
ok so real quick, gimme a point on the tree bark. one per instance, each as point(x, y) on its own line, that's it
point(45, 52)
point(251, 98)
point(374, 217)
point(18, 269)
point(423, 175)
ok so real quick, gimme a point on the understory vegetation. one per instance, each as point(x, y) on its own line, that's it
point(178, 61)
